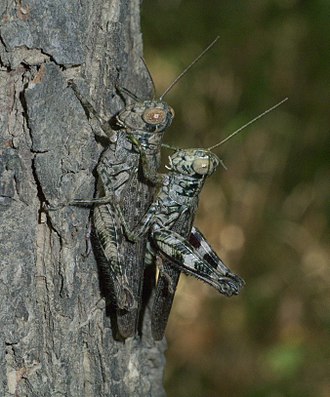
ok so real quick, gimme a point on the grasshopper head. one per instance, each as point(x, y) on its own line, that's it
point(194, 162)
point(148, 116)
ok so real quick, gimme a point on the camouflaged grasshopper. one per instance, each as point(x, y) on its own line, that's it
point(168, 225)
point(125, 180)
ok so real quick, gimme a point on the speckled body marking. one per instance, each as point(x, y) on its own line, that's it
point(168, 225)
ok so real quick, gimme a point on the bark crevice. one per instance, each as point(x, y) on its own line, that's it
point(57, 336)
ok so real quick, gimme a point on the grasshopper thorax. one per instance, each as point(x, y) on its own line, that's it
point(194, 162)
point(148, 116)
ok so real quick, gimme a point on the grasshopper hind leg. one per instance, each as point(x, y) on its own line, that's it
point(208, 268)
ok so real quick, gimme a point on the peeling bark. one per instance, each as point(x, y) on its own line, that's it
point(56, 337)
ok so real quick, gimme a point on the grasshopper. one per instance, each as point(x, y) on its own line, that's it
point(121, 180)
point(168, 225)
point(125, 180)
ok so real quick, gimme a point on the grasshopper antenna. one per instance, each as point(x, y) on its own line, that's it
point(170, 147)
point(150, 77)
point(123, 90)
point(187, 68)
point(247, 124)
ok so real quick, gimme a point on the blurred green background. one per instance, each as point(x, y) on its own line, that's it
point(268, 215)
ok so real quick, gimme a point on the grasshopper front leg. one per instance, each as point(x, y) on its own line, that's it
point(148, 171)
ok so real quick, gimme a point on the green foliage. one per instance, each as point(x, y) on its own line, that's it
point(268, 215)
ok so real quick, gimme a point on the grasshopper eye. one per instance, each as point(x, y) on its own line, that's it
point(201, 165)
point(172, 112)
point(154, 116)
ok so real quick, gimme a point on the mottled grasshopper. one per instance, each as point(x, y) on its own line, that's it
point(123, 179)
point(168, 224)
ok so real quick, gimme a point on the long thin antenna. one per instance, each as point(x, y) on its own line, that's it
point(123, 90)
point(247, 124)
point(150, 77)
point(188, 67)
point(167, 146)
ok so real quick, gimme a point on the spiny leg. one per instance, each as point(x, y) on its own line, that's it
point(148, 171)
point(91, 112)
point(205, 251)
point(177, 249)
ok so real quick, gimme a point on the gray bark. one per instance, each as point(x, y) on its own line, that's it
point(56, 337)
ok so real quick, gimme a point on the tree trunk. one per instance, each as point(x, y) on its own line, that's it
point(56, 337)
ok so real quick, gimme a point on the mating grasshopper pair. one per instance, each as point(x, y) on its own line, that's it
point(135, 228)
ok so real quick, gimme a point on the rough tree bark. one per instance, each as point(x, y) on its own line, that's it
point(56, 337)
